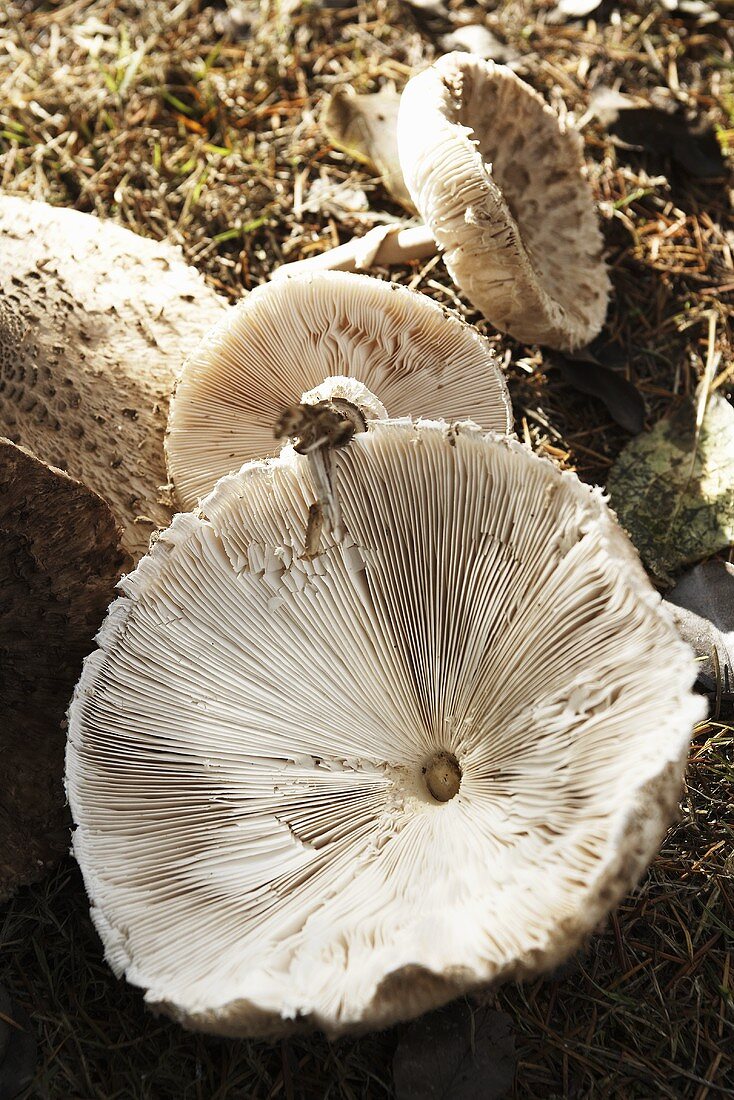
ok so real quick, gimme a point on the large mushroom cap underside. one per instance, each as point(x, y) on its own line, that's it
point(59, 560)
point(94, 324)
point(498, 180)
point(336, 791)
point(287, 337)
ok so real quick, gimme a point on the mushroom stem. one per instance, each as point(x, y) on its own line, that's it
point(381, 247)
point(327, 424)
point(326, 419)
point(329, 414)
point(321, 463)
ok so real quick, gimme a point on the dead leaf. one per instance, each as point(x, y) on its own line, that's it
point(18, 1048)
point(573, 9)
point(605, 104)
point(673, 487)
point(238, 21)
point(584, 371)
point(690, 143)
point(702, 604)
point(335, 198)
point(698, 9)
point(365, 127)
point(456, 1053)
point(479, 40)
point(438, 8)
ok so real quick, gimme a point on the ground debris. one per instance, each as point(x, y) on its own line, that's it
point(456, 1052)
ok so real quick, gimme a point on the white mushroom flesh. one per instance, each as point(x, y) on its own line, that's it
point(254, 747)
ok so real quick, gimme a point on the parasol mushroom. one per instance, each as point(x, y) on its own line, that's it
point(498, 180)
point(280, 345)
point(59, 561)
point(94, 324)
point(338, 790)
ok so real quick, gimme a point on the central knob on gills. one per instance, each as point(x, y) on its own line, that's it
point(443, 776)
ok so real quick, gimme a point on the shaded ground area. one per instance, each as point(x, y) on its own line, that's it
point(198, 122)
point(644, 1011)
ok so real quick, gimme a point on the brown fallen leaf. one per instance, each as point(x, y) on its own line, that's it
point(365, 127)
point(586, 371)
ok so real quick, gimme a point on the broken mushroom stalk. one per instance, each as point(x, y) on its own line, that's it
point(325, 420)
point(94, 323)
point(499, 182)
point(320, 337)
point(383, 246)
point(337, 789)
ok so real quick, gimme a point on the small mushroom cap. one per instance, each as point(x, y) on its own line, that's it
point(59, 561)
point(287, 337)
point(94, 324)
point(253, 749)
point(499, 181)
